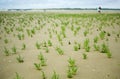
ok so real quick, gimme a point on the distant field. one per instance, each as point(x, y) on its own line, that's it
point(60, 45)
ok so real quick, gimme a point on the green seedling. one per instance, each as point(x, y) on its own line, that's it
point(84, 56)
point(109, 55)
point(102, 35)
point(37, 45)
point(41, 57)
point(55, 76)
point(6, 41)
point(86, 45)
point(105, 48)
point(14, 50)
point(49, 43)
point(43, 62)
point(86, 32)
point(69, 73)
point(37, 66)
point(6, 51)
point(23, 46)
point(74, 70)
point(43, 75)
point(18, 76)
point(97, 48)
point(20, 59)
point(59, 50)
point(46, 50)
point(71, 62)
point(96, 39)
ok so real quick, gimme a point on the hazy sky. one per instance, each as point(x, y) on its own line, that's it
point(24, 4)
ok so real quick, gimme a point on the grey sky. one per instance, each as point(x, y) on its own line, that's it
point(23, 4)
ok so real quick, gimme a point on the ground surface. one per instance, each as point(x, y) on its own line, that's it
point(64, 31)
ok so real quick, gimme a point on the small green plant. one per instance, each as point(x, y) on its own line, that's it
point(71, 62)
point(43, 62)
point(37, 45)
point(86, 32)
point(44, 44)
point(19, 36)
point(74, 70)
point(86, 45)
point(102, 35)
point(23, 46)
point(84, 56)
point(96, 39)
point(20, 59)
point(55, 76)
point(6, 51)
point(43, 75)
point(106, 50)
point(6, 41)
point(46, 50)
point(109, 55)
point(69, 73)
point(41, 57)
point(77, 47)
point(59, 50)
point(14, 50)
point(49, 43)
point(18, 76)
point(97, 48)
point(37, 66)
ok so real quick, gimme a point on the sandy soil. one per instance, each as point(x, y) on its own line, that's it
point(96, 66)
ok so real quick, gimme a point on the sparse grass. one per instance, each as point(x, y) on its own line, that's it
point(102, 35)
point(18, 76)
point(37, 66)
point(86, 32)
point(106, 50)
point(96, 47)
point(6, 41)
point(6, 51)
point(14, 50)
point(20, 59)
point(59, 50)
point(77, 47)
point(37, 45)
point(86, 45)
point(49, 43)
point(71, 62)
point(96, 39)
point(43, 75)
point(84, 56)
point(23, 46)
point(55, 76)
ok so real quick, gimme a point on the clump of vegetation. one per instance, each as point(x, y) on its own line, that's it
point(46, 50)
point(49, 43)
point(6, 51)
point(77, 47)
point(71, 62)
point(42, 59)
point(72, 68)
point(18, 76)
point(20, 59)
point(14, 50)
point(37, 45)
point(37, 66)
point(97, 47)
point(43, 75)
point(23, 46)
point(55, 76)
point(86, 45)
point(106, 50)
point(102, 35)
point(86, 32)
point(96, 39)
point(84, 56)
point(59, 50)
point(6, 41)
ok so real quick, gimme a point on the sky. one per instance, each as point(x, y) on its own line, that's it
point(36, 4)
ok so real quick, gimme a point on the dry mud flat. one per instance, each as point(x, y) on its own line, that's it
point(59, 46)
